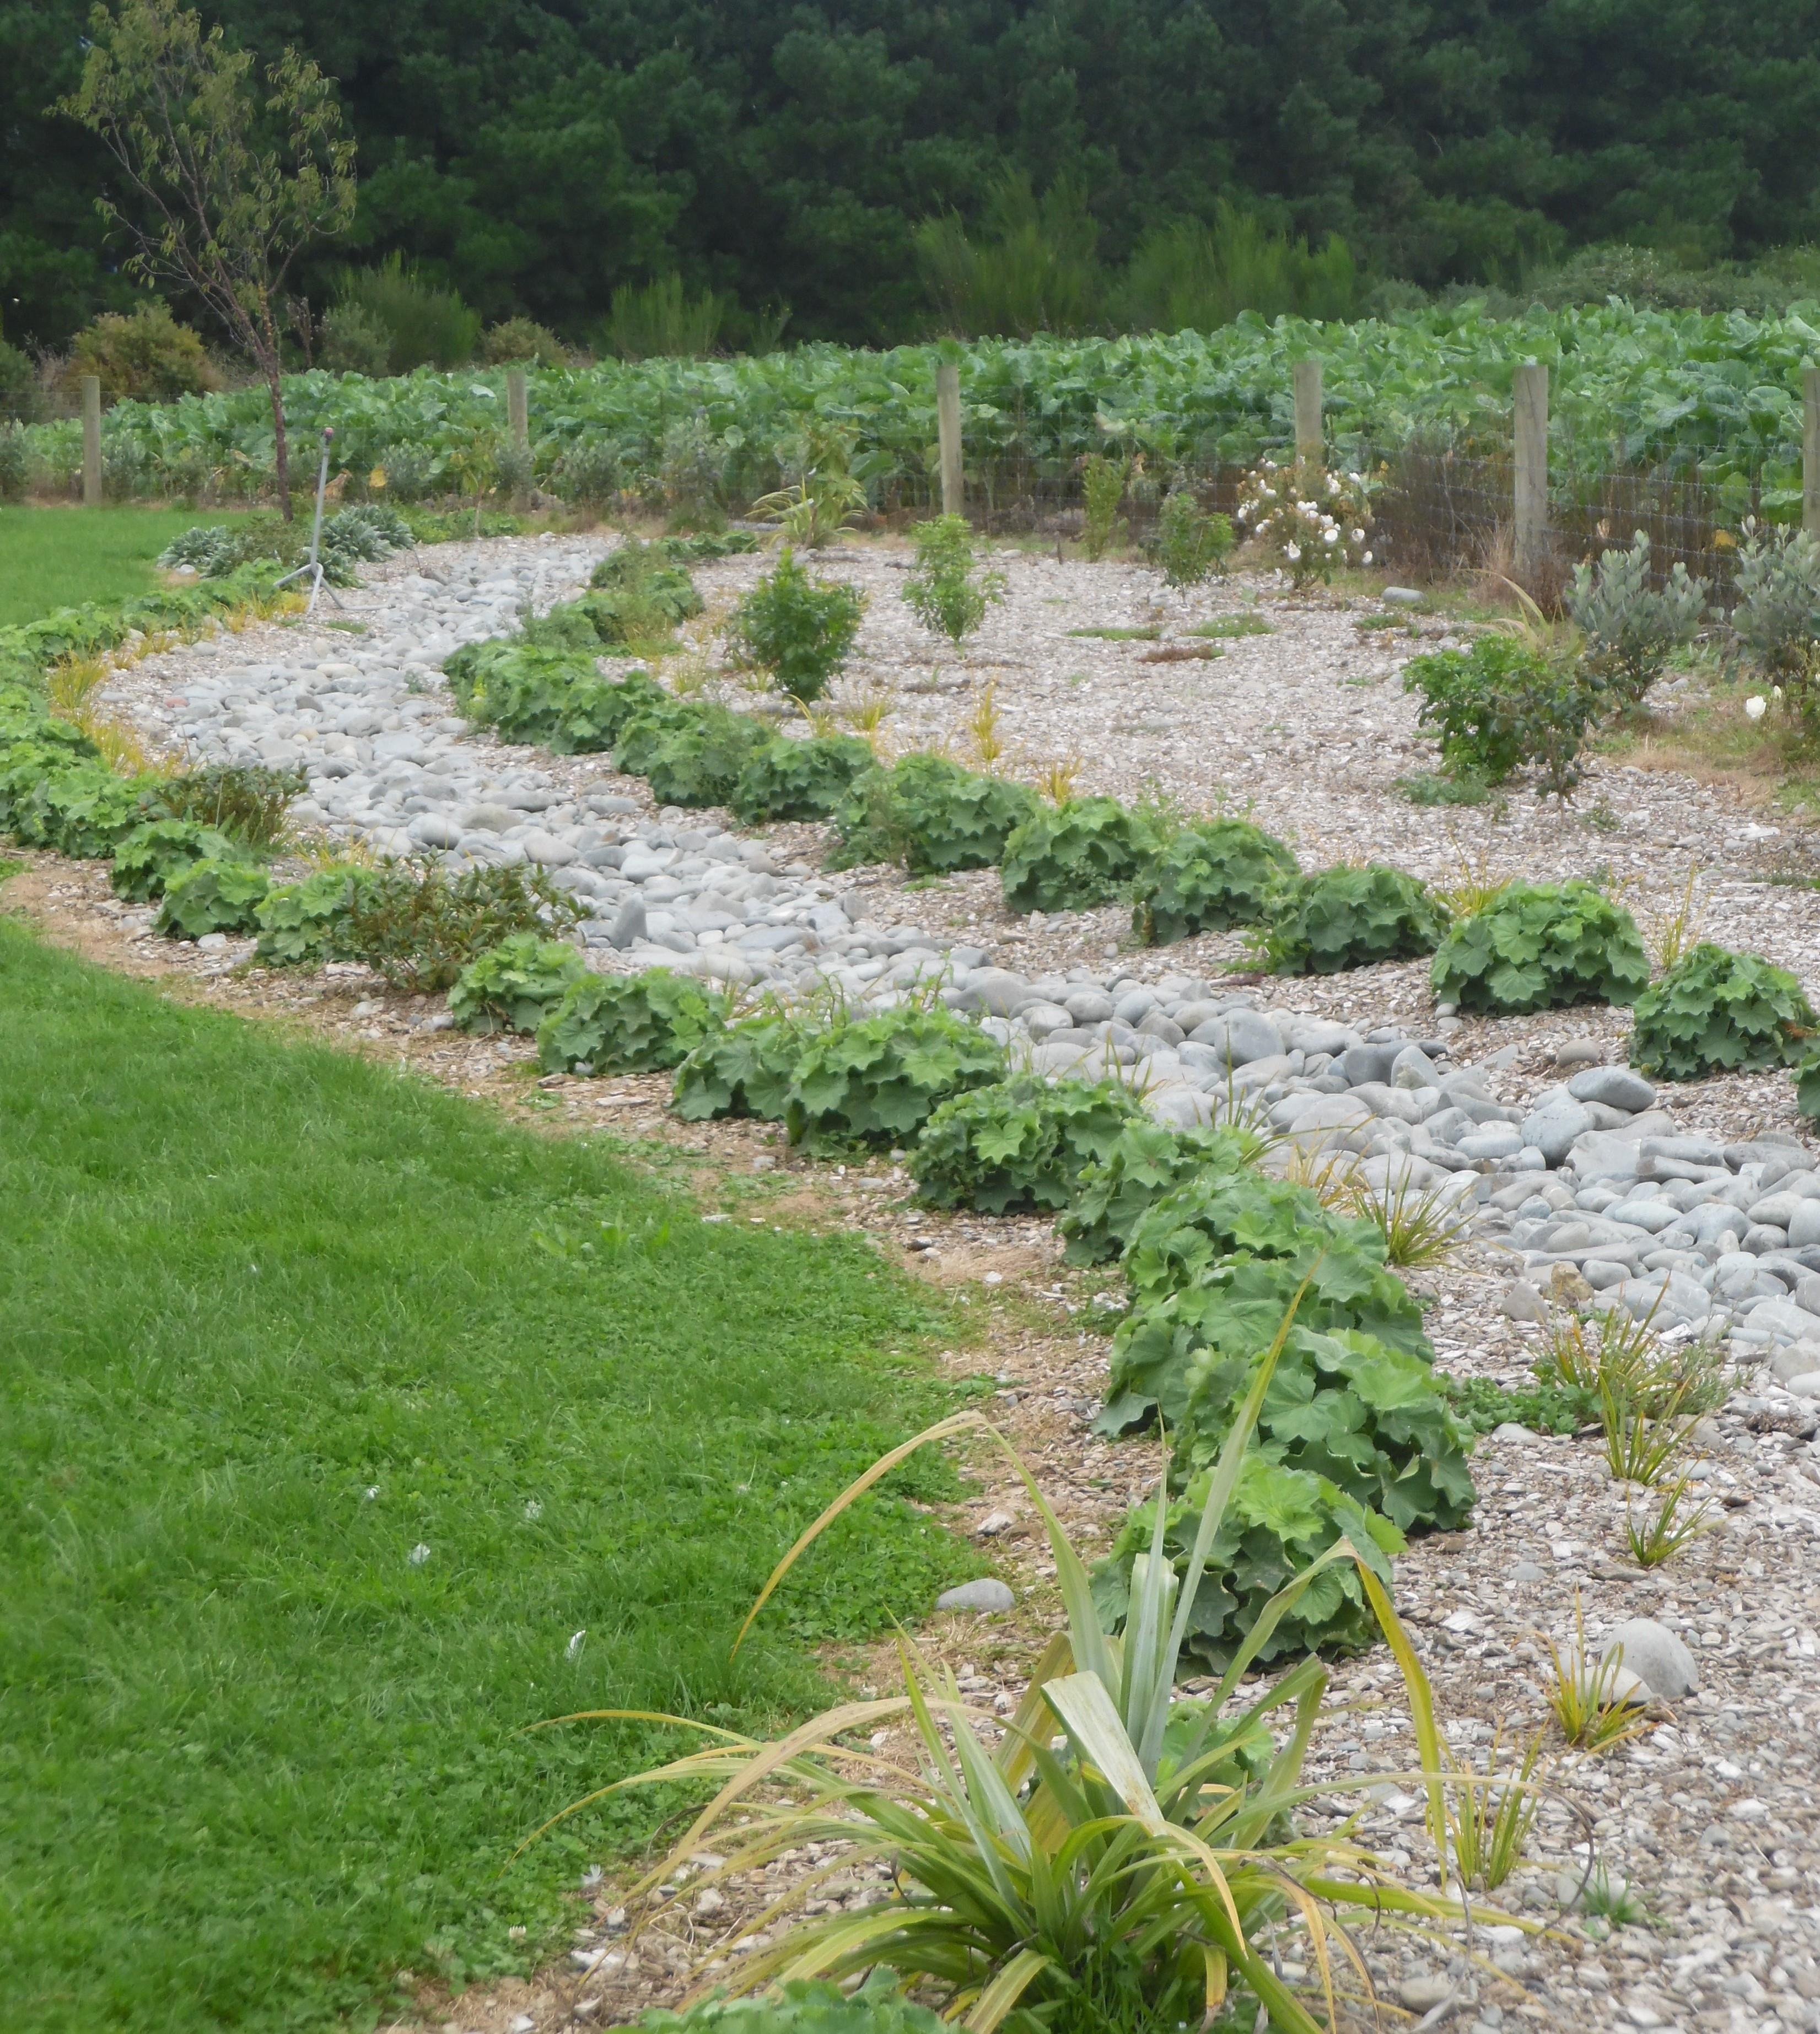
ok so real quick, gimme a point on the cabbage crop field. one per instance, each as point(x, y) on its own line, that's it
point(1717, 397)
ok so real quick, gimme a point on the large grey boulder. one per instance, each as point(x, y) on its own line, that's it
point(1617, 1087)
point(1553, 1129)
point(1657, 1658)
point(1240, 1036)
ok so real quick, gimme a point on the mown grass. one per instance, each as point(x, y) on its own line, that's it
point(271, 1319)
point(60, 558)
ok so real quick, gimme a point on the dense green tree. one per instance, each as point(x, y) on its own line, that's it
point(539, 155)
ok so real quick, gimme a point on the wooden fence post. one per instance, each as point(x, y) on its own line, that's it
point(91, 440)
point(517, 408)
point(1530, 391)
point(949, 434)
point(1309, 443)
point(1810, 451)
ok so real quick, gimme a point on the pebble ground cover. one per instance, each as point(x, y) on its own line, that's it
point(346, 1432)
point(1710, 1815)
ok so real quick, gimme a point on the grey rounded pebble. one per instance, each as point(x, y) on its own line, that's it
point(988, 1593)
point(1656, 1657)
point(1617, 1088)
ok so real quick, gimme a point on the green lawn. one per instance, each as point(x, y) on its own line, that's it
point(271, 1319)
point(60, 558)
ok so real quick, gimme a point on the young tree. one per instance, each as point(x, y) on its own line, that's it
point(231, 176)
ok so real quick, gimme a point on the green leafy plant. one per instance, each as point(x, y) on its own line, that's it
point(426, 326)
point(1148, 1161)
point(1777, 620)
point(1021, 1143)
point(744, 1068)
point(1118, 1873)
point(148, 857)
point(523, 339)
point(1716, 1011)
point(512, 987)
point(1629, 628)
point(1068, 858)
point(1662, 1535)
point(944, 591)
point(1277, 1524)
point(877, 1079)
point(553, 697)
point(627, 1023)
point(1490, 1814)
point(1539, 946)
point(931, 815)
point(79, 809)
point(659, 319)
point(800, 630)
point(1502, 705)
point(1545, 1408)
point(1342, 1406)
point(640, 591)
point(211, 897)
point(1206, 878)
point(1189, 546)
point(1102, 489)
point(1349, 917)
point(690, 751)
point(826, 494)
point(420, 925)
point(788, 779)
point(806, 2007)
point(246, 801)
point(1588, 1697)
point(306, 923)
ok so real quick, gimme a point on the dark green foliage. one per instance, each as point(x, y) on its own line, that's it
point(1187, 1233)
point(1716, 1012)
point(80, 809)
point(556, 699)
point(1342, 1406)
point(628, 1023)
point(212, 897)
point(1207, 878)
point(786, 779)
point(944, 591)
point(148, 857)
point(1499, 706)
point(1021, 1143)
point(1538, 945)
point(25, 767)
point(419, 926)
point(247, 801)
point(1148, 1161)
point(311, 921)
point(1190, 545)
point(744, 1069)
point(877, 1079)
point(1278, 1521)
point(931, 815)
point(513, 987)
point(640, 592)
point(799, 629)
point(691, 751)
point(1349, 918)
point(1544, 1407)
point(1239, 1301)
point(805, 2008)
point(1068, 858)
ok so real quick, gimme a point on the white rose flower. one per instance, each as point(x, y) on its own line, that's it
point(1330, 537)
point(1358, 536)
point(1756, 706)
point(1365, 560)
point(1292, 552)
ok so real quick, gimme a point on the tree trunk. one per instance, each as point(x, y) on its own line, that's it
point(281, 451)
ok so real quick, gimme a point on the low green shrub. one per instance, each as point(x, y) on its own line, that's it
point(1630, 628)
point(1148, 1161)
point(690, 751)
point(1716, 1012)
point(514, 987)
point(1068, 857)
point(786, 779)
point(419, 926)
point(1777, 620)
point(744, 1069)
point(640, 591)
point(877, 1079)
point(806, 2007)
point(931, 815)
point(307, 923)
point(799, 629)
point(247, 801)
point(1342, 1406)
point(1237, 1302)
point(81, 810)
point(628, 1023)
point(1020, 1143)
point(1500, 707)
point(1349, 918)
point(1190, 545)
point(1207, 878)
point(212, 897)
point(148, 857)
point(1278, 1522)
point(554, 699)
point(1538, 945)
point(943, 591)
